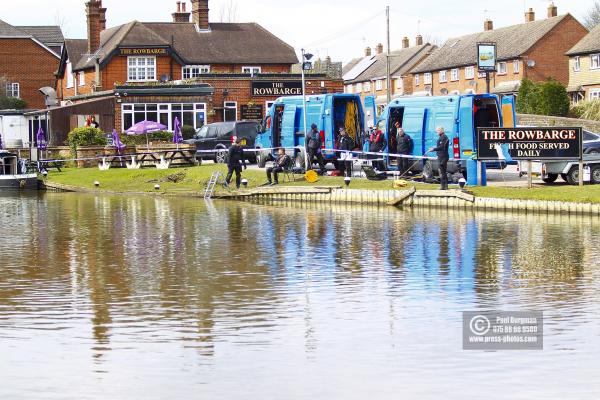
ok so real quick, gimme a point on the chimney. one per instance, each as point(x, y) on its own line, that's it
point(200, 14)
point(181, 15)
point(488, 25)
point(368, 52)
point(96, 23)
point(529, 15)
point(552, 10)
point(405, 43)
point(419, 40)
point(379, 49)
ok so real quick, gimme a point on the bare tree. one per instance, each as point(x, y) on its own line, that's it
point(63, 22)
point(593, 16)
point(229, 12)
point(434, 40)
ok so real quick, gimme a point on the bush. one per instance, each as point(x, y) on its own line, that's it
point(187, 132)
point(12, 103)
point(587, 110)
point(86, 136)
point(158, 136)
point(545, 98)
point(528, 97)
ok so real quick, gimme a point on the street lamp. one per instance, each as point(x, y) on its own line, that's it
point(306, 65)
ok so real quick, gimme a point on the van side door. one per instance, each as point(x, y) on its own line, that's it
point(413, 124)
point(288, 126)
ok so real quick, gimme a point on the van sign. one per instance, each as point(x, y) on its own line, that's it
point(276, 88)
point(548, 143)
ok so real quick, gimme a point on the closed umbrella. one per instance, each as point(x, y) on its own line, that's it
point(177, 136)
point(117, 141)
point(145, 127)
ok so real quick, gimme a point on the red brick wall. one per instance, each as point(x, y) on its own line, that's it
point(116, 70)
point(549, 53)
point(26, 62)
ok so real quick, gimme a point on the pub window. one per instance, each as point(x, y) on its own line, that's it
point(427, 78)
point(595, 61)
point(69, 73)
point(230, 111)
point(194, 71)
point(251, 70)
point(192, 114)
point(13, 90)
point(577, 64)
point(469, 72)
point(454, 74)
point(81, 78)
point(141, 69)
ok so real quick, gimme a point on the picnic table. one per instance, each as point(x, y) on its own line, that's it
point(151, 159)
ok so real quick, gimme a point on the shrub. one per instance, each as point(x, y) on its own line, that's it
point(12, 103)
point(528, 97)
point(545, 98)
point(158, 136)
point(587, 110)
point(187, 132)
point(86, 136)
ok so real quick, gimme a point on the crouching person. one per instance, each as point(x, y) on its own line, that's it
point(282, 162)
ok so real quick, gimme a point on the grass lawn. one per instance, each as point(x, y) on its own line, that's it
point(194, 180)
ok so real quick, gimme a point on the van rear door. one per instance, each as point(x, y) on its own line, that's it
point(509, 114)
point(467, 134)
point(288, 128)
point(371, 117)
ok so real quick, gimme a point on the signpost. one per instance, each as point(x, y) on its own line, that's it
point(251, 112)
point(486, 60)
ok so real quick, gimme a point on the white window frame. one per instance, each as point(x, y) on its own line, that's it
point(230, 105)
point(399, 84)
point(379, 84)
point(443, 76)
point(164, 108)
point(417, 79)
point(427, 78)
point(470, 72)
point(502, 68)
point(577, 64)
point(251, 69)
point(594, 94)
point(516, 66)
point(81, 78)
point(13, 89)
point(69, 73)
point(359, 87)
point(141, 72)
point(194, 71)
point(367, 87)
point(268, 105)
point(454, 74)
point(595, 59)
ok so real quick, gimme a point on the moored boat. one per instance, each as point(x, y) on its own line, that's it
point(14, 173)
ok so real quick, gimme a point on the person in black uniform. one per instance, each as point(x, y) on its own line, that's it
point(345, 143)
point(441, 149)
point(313, 144)
point(282, 162)
point(235, 162)
point(404, 149)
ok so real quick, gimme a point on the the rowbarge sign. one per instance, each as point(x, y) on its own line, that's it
point(279, 88)
point(529, 143)
point(143, 51)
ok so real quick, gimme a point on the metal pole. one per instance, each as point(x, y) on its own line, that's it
point(487, 82)
point(306, 162)
point(529, 175)
point(387, 58)
point(580, 172)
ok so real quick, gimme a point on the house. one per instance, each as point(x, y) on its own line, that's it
point(584, 68)
point(367, 76)
point(29, 57)
point(534, 50)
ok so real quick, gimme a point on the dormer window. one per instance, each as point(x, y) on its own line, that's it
point(251, 70)
point(141, 69)
point(194, 71)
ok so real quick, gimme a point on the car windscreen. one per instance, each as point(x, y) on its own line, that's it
point(224, 128)
point(246, 129)
point(202, 133)
point(588, 136)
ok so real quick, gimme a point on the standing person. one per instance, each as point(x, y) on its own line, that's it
point(235, 162)
point(441, 149)
point(93, 122)
point(282, 162)
point(345, 143)
point(404, 148)
point(313, 147)
point(377, 144)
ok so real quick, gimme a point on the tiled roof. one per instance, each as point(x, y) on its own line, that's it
point(225, 43)
point(512, 42)
point(7, 30)
point(76, 48)
point(49, 35)
point(589, 44)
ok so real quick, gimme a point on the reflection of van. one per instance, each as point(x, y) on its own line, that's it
point(219, 136)
point(459, 115)
point(284, 124)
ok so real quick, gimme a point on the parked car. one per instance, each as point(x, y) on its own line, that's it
point(591, 142)
point(213, 140)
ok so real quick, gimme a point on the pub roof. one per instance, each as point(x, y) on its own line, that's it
point(224, 43)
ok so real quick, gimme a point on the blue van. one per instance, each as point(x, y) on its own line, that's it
point(284, 125)
point(459, 115)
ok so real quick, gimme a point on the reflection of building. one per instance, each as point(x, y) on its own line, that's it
point(533, 50)
point(200, 71)
point(584, 68)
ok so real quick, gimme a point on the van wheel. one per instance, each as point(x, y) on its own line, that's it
point(550, 178)
point(299, 161)
point(595, 175)
point(573, 176)
point(262, 158)
point(220, 156)
point(428, 174)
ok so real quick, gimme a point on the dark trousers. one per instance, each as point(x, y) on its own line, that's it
point(312, 153)
point(275, 171)
point(443, 169)
point(346, 168)
point(403, 164)
point(238, 175)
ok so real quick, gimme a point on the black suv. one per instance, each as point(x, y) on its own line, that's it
point(213, 140)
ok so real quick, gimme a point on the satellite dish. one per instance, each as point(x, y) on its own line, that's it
point(530, 63)
point(444, 91)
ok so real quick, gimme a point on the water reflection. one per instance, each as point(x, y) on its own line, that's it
point(228, 280)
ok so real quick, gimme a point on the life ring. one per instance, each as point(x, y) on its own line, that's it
point(22, 183)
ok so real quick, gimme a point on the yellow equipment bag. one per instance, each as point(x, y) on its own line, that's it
point(400, 183)
point(311, 176)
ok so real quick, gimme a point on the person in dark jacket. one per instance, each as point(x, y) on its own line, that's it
point(441, 148)
point(404, 149)
point(283, 161)
point(346, 143)
point(235, 162)
point(313, 147)
point(377, 144)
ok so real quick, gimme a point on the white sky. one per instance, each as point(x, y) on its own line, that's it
point(339, 28)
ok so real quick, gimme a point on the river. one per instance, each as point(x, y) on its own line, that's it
point(152, 298)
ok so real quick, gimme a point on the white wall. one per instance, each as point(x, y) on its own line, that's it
point(12, 128)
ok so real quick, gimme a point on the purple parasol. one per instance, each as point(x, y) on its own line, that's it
point(145, 127)
point(41, 139)
point(177, 136)
point(117, 141)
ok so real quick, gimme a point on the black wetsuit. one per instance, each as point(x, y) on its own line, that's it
point(234, 163)
point(441, 149)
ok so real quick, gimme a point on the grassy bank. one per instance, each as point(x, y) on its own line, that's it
point(194, 179)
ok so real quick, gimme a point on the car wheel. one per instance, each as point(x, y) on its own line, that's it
point(550, 178)
point(594, 151)
point(428, 174)
point(573, 176)
point(595, 174)
point(220, 156)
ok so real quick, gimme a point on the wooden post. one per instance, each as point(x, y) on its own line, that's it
point(580, 172)
point(529, 174)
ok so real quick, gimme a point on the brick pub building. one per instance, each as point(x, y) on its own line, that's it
point(198, 71)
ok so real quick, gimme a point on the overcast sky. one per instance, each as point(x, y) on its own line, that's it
point(339, 28)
